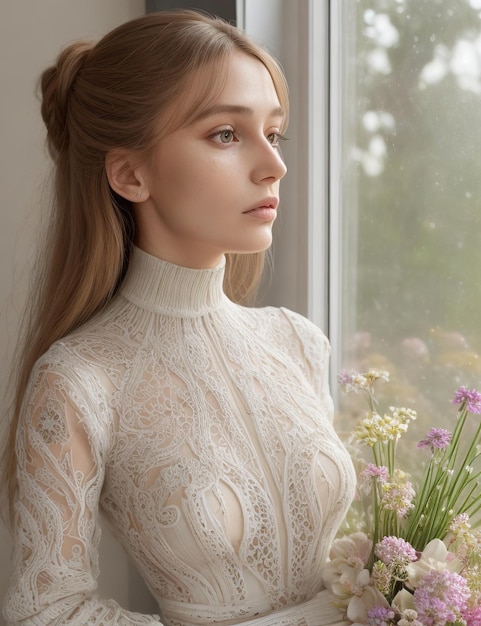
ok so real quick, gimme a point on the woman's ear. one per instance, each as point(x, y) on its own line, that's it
point(125, 175)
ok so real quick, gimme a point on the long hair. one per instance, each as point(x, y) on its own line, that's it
point(98, 97)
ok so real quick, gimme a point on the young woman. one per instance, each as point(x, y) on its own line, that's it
point(199, 427)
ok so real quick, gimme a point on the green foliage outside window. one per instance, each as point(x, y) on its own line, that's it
point(411, 191)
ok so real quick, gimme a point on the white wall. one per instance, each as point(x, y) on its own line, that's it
point(31, 33)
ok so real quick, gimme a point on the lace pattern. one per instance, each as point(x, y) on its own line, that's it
point(203, 431)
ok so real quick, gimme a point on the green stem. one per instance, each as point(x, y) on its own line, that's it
point(433, 476)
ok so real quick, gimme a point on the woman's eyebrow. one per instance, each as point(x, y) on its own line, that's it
point(236, 108)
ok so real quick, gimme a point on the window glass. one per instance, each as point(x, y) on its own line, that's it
point(410, 192)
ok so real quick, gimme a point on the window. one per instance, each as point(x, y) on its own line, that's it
point(406, 180)
point(383, 156)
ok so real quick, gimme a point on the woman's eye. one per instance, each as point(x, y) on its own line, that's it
point(274, 139)
point(225, 136)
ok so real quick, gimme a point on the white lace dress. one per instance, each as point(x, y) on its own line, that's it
point(202, 430)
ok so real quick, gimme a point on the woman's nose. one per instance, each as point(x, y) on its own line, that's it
point(269, 163)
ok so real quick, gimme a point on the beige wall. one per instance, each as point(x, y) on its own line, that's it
point(31, 33)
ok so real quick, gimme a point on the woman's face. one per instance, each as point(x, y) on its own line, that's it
point(213, 186)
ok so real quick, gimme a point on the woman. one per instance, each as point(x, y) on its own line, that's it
point(199, 427)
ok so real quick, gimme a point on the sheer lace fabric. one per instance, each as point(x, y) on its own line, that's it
point(202, 430)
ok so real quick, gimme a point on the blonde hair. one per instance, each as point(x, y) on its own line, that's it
point(98, 97)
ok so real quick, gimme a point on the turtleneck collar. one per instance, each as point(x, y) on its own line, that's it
point(157, 285)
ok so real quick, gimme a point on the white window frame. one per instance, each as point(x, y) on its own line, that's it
point(307, 255)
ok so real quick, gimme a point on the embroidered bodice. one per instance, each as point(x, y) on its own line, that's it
point(202, 430)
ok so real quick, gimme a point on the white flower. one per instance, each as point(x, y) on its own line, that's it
point(435, 556)
point(345, 575)
point(345, 579)
point(368, 598)
point(356, 545)
point(403, 601)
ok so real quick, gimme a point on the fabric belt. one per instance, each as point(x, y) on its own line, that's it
point(319, 611)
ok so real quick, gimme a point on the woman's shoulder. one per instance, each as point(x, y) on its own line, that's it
point(294, 337)
point(85, 364)
point(69, 363)
point(302, 325)
point(289, 324)
point(102, 342)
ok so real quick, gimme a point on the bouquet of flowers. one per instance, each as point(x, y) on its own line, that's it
point(418, 561)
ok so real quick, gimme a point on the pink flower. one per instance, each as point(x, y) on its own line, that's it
point(472, 616)
point(441, 597)
point(436, 438)
point(380, 616)
point(398, 494)
point(375, 471)
point(394, 550)
point(372, 473)
point(344, 377)
point(461, 521)
point(471, 397)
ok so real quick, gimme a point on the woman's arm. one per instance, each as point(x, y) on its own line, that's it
point(61, 449)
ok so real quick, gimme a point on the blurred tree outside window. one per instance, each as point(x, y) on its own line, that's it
point(410, 185)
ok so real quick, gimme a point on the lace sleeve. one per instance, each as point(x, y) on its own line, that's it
point(61, 451)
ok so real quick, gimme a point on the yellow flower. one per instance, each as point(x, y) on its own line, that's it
point(472, 574)
point(375, 428)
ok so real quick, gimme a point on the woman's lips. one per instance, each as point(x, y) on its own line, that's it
point(266, 210)
point(265, 213)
